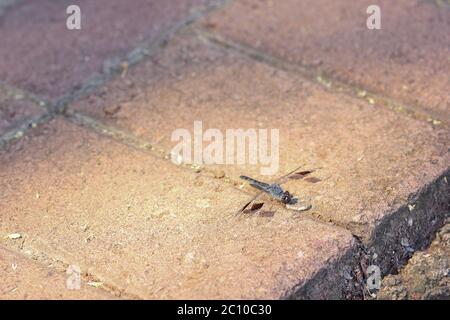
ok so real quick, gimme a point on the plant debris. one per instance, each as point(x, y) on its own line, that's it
point(300, 175)
point(14, 236)
point(95, 284)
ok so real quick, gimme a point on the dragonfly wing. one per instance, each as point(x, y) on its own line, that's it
point(261, 186)
point(241, 210)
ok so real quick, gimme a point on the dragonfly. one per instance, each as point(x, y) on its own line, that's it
point(275, 191)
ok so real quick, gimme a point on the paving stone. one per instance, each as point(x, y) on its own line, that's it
point(21, 278)
point(145, 226)
point(371, 161)
point(15, 108)
point(40, 54)
point(408, 59)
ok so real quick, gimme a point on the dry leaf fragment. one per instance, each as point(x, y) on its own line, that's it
point(95, 284)
point(14, 236)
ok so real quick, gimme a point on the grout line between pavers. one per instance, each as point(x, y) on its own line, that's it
point(111, 67)
point(329, 83)
point(123, 137)
point(60, 264)
point(21, 128)
point(115, 66)
point(26, 95)
point(42, 258)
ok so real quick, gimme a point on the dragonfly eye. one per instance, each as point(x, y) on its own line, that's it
point(286, 198)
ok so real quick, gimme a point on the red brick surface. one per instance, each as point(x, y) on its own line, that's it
point(408, 59)
point(150, 229)
point(370, 157)
point(39, 54)
point(21, 278)
point(92, 184)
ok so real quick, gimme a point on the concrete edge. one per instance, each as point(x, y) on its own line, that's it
point(412, 226)
point(340, 279)
point(392, 243)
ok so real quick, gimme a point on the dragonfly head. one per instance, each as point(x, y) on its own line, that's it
point(286, 197)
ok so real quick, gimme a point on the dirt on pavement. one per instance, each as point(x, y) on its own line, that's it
point(427, 274)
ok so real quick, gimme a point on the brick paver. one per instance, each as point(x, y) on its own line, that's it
point(15, 108)
point(21, 278)
point(408, 59)
point(142, 225)
point(372, 159)
point(39, 54)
